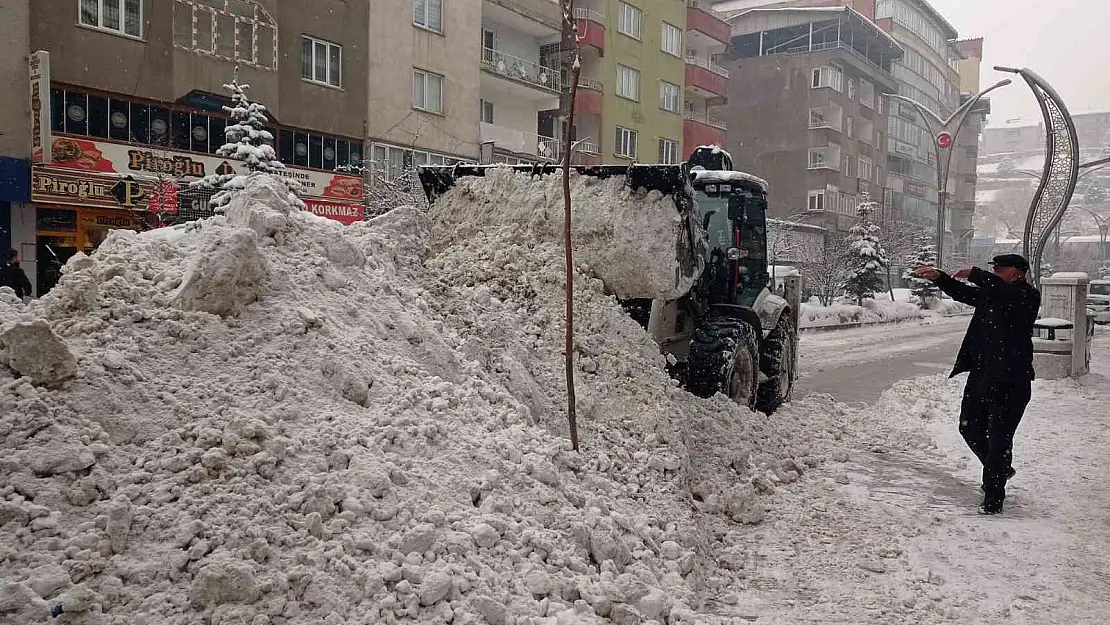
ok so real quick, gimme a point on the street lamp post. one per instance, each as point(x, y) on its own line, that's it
point(944, 133)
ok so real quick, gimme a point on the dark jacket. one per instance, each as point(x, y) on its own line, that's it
point(999, 341)
point(12, 275)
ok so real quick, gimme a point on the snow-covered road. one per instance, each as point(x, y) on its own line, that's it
point(855, 366)
point(889, 533)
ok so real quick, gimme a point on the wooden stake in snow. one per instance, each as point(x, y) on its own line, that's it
point(568, 250)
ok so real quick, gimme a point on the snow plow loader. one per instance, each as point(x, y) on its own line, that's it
point(715, 318)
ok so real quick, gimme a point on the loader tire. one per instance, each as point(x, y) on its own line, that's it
point(724, 358)
point(776, 361)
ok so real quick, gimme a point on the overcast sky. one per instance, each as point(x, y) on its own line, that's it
point(1065, 41)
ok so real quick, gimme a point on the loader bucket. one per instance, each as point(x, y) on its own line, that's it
point(633, 241)
point(667, 179)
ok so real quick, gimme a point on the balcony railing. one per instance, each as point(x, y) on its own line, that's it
point(587, 147)
point(707, 64)
point(548, 147)
point(708, 120)
point(589, 14)
point(590, 83)
point(520, 69)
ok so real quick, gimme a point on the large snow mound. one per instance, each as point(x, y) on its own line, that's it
point(635, 241)
point(340, 427)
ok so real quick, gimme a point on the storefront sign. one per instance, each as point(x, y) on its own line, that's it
point(67, 188)
point(343, 212)
point(143, 162)
point(38, 67)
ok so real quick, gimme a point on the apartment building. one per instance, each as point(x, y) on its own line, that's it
point(15, 116)
point(963, 177)
point(806, 109)
point(126, 110)
point(928, 74)
point(707, 81)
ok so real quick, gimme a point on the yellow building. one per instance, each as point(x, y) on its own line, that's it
point(647, 79)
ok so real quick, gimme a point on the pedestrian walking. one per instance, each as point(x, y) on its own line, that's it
point(13, 276)
point(997, 353)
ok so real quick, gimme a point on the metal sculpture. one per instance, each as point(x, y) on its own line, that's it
point(944, 132)
point(1061, 169)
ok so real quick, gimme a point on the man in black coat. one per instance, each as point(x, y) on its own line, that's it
point(997, 352)
point(12, 275)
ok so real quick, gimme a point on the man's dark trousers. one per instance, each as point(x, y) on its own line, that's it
point(991, 411)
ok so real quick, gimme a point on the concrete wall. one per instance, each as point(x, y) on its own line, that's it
point(453, 54)
point(23, 238)
point(15, 107)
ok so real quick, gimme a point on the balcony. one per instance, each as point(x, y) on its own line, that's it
point(587, 100)
point(522, 72)
point(701, 129)
point(519, 142)
point(830, 117)
point(705, 78)
point(703, 27)
point(591, 28)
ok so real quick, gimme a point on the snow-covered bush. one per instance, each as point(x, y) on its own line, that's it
point(249, 142)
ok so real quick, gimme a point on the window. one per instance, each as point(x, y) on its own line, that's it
point(234, 30)
point(427, 91)
point(428, 14)
point(818, 158)
point(850, 127)
point(668, 152)
point(831, 76)
point(630, 20)
point(628, 83)
point(880, 104)
point(487, 111)
point(848, 166)
point(866, 168)
point(672, 40)
point(626, 143)
point(390, 161)
point(669, 95)
point(851, 88)
point(321, 61)
point(817, 200)
point(121, 16)
point(866, 94)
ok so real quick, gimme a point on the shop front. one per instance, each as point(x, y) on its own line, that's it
point(92, 187)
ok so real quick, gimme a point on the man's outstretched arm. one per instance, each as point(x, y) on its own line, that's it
point(963, 293)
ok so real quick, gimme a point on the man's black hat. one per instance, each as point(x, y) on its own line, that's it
point(1017, 261)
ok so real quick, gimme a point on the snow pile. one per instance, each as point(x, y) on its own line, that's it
point(619, 232)
point(872, 311)
point(370, 436)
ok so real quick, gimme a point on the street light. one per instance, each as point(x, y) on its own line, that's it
point(944, 132)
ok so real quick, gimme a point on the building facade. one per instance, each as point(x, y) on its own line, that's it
point(128, 110)
point(806, 109)
point(928, 74)
point(963, 178)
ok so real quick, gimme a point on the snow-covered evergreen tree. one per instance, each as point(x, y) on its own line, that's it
point(246, 141)
point(1104, 270)
point(923, 289)
point(866, 255)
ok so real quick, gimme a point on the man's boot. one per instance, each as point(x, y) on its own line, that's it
point(991, 506)
point(1009, 476)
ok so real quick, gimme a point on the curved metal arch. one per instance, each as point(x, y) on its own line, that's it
point(1061, 169)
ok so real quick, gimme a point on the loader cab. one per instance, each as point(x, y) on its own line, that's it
point(732, 209)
